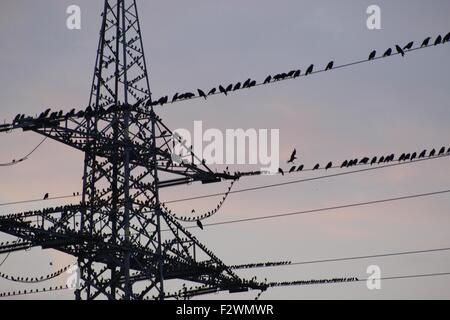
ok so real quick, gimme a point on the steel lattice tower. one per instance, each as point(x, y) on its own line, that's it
point(116, 230)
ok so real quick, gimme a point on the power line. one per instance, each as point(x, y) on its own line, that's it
point(342, 280)
point(352, 205)
point(270, 285)
point(346, 65)
point(275, 264)
point(14, 162)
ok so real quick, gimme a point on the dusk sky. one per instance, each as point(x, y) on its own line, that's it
point(387, 106)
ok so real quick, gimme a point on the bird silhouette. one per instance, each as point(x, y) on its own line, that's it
point(425, 42)
point(413, 156)
point(422, 154)
point(281, 171)
point(268, 79)
point(329, 165)
point(293, 156)
point(329, 66)
point(237, 86)
point(46, 196)
point(296, 74)
point(442, 151)
point(300, 168)
point(202, 94)
point(408, 46)
point(372, 55)
point(223, 90)
point(387, 53)
point(309, 70)
point(229, 88)
point(199, 224)
point(374, 160)
point(438, 40)
point(344, 164)
point(316, 167)
point(292, 169)
point(400, 50)
point(212, 91)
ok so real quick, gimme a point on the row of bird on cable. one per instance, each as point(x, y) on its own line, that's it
point(58, 115)
point(33, 213)
point(293, 74)
point(249, 83)
point(200, 217)
point(34, 279)
point(308, 282)
point(260, 265)
point(366, 160)
point(185, 289)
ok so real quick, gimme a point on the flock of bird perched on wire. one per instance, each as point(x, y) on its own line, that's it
point(34, 279)
point(293, 74)
point(249, 83)
point(375, 160)
point(203, 216)
point(32, 291)
point(226, 89)
point(367, 161)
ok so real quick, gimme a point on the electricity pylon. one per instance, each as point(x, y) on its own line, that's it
point(126, 245)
